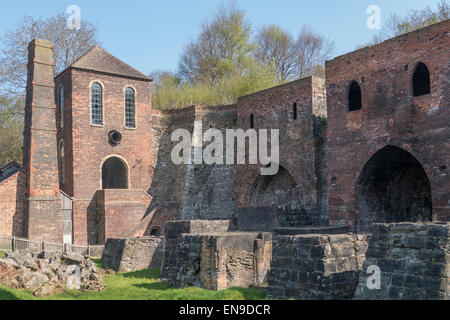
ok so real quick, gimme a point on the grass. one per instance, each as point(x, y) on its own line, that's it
point(2, 254)
point(140, 285)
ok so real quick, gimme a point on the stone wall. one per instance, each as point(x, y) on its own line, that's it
point(209, 191)
point(414, 260)
point(316, 267)
point(127, 255)
point(204, 254)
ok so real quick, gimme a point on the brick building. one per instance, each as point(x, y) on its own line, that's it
point(388, 130)
point(368, 144)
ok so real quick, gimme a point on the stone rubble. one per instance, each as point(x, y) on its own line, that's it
point(47, 273)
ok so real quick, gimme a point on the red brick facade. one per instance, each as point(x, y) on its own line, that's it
point(86, 146)
point(297, 180)
point(40, 161)
point(412, 130)
point(11, 205)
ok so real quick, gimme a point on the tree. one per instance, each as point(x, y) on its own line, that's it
point(11, 128)
point(415, 19)
point(312, 52)
point(69, 45)
point(277, 47)
point(222, 49)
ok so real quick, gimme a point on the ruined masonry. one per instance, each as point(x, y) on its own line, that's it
point(363, 167)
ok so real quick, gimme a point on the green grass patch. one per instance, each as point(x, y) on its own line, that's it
point(2, 254)
point(140, 285)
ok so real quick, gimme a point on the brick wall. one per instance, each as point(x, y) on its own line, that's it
point(11, 205)
point(87, 146)
point(390, 116)
point(297, 179)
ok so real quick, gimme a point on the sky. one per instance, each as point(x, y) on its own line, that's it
point(151, 34)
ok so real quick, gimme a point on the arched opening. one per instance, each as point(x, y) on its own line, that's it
point(294, 111)
point(114, 174)
point(156, 232)
point(354, 97)
point(283, 193)
point(61, 164)
point(252, 121)
point(421, 80)
point(392, 187)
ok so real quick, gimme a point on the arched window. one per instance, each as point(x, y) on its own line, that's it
point(96, 104)
point(421, 80)
point(354, 97)
point(294, 111)
point(130, 108)
point(61, 164)
point(61, 108)
point(252, 121)
point(114, 174)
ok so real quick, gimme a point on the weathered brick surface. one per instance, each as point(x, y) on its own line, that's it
point(215, 261)
point(175, 228)
point(42, 206)
point(295, 187)
point(414, 260)
point(127, 255)
point(118, 210)
point(316, 267)
point(12, 192)
point(390, 116)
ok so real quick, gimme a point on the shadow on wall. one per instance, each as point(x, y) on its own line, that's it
point(392, 187)
point(20, 224)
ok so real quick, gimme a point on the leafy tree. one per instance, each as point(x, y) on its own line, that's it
point(69, 44)
point(11, 129)
point(222, 49)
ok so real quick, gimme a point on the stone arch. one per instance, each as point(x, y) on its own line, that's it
point(392, 187)
point(282, 193)
point(115, 173)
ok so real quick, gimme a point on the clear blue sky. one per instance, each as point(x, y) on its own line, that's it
point(150, 34)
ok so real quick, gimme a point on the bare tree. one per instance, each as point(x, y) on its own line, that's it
point(396, 25)
point(69, 45)
point(277, 47)
point(312, 51)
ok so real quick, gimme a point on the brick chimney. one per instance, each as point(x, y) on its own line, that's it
point(40, 160)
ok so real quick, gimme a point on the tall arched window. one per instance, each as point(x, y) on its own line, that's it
point(96, 104)
point(61, 108)
point(61, 164)
point(421, 80)
point(252, 121)
point(130, 108)
point(294, 110)
point(354, 97)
